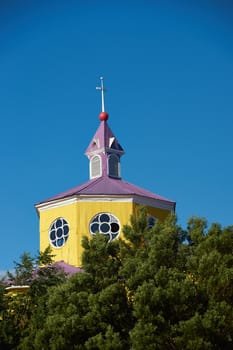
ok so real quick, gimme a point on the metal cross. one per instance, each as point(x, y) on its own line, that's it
point(101, 87)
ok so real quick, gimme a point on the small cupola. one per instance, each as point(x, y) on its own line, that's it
point(104, 151)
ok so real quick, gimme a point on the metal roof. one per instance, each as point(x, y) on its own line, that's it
point(108, 186)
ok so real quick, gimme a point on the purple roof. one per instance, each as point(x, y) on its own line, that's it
point(107, 186)
point(104, 143)
point(103, 138)
point(67, 268)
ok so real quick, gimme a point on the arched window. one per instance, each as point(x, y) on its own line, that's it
point(113, 166)
point(95, 167)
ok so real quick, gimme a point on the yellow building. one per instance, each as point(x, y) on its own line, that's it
point(103, 204)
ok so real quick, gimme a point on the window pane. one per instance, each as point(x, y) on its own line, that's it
point(59, 232)
point(95, 167)
point(113, 165)
point(105, 223)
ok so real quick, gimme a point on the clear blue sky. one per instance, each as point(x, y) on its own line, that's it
point(168, 68)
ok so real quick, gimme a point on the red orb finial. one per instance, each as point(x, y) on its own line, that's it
point(103, 116)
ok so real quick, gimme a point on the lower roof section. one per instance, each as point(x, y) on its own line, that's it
point(106, 188)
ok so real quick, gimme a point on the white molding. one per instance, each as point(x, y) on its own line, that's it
point(91, 154)
point(104, 150)
point(13, 287)
point(151, 202)
point(155, 203)
point(112, 150)
point(56, 203)
point(111, 140)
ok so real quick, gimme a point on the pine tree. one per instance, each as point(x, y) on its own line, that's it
point(161, 287)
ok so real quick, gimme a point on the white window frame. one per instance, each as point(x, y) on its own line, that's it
point(91, 167)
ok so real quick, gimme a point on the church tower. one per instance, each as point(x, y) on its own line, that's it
point(102, 204)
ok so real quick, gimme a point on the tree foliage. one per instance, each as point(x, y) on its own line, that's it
point(159, 288)
point(16, 309)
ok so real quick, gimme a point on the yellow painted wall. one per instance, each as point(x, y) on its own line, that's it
point(78, 215)
point(159, 214)
point(69, 251)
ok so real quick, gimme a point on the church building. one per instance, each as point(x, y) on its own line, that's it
point(103, 204)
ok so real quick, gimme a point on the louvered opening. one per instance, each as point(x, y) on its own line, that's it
point(113, 166)
point(95, 167)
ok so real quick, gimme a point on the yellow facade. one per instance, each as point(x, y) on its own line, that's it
point(103, 204)
point(78, 214)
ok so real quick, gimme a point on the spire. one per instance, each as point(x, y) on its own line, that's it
point(104, 151)
point(103, 115)
point(101, 88)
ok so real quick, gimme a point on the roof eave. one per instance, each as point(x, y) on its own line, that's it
point(149, 201)
point(104, 150)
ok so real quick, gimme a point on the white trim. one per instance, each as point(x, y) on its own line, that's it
point(150, 202)
point(17, 287)
point(104, 199)
point(111, 140)
point(108, 213)
point(155, 203)
point(112, 150)
point(103, 150)
point(95, 152)
point(65, 238)
point(55, 204)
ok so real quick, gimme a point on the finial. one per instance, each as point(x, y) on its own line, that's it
point(101, 87)
point(103, 115)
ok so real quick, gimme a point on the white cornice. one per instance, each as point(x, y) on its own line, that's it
point(56, 203)
point(155, 203)
point(103, 150)
point(151, 202)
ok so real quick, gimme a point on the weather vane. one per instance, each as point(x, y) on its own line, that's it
point(102, 89)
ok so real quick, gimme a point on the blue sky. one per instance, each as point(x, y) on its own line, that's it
point(168, 69)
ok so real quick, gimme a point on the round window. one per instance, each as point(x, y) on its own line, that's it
point(105, 223)
point(58, 232)
point(151, 221)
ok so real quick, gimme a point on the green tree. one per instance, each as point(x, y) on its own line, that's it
point(22, 270)
point(17, 308)
point(210, 265)
point(160, 288)
point(185, 299)
point(91, 310)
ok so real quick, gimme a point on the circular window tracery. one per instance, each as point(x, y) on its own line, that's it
point(59, 232)
point(106, 224)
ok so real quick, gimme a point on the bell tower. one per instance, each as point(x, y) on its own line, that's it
point(104, 151)
point(103, 204)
